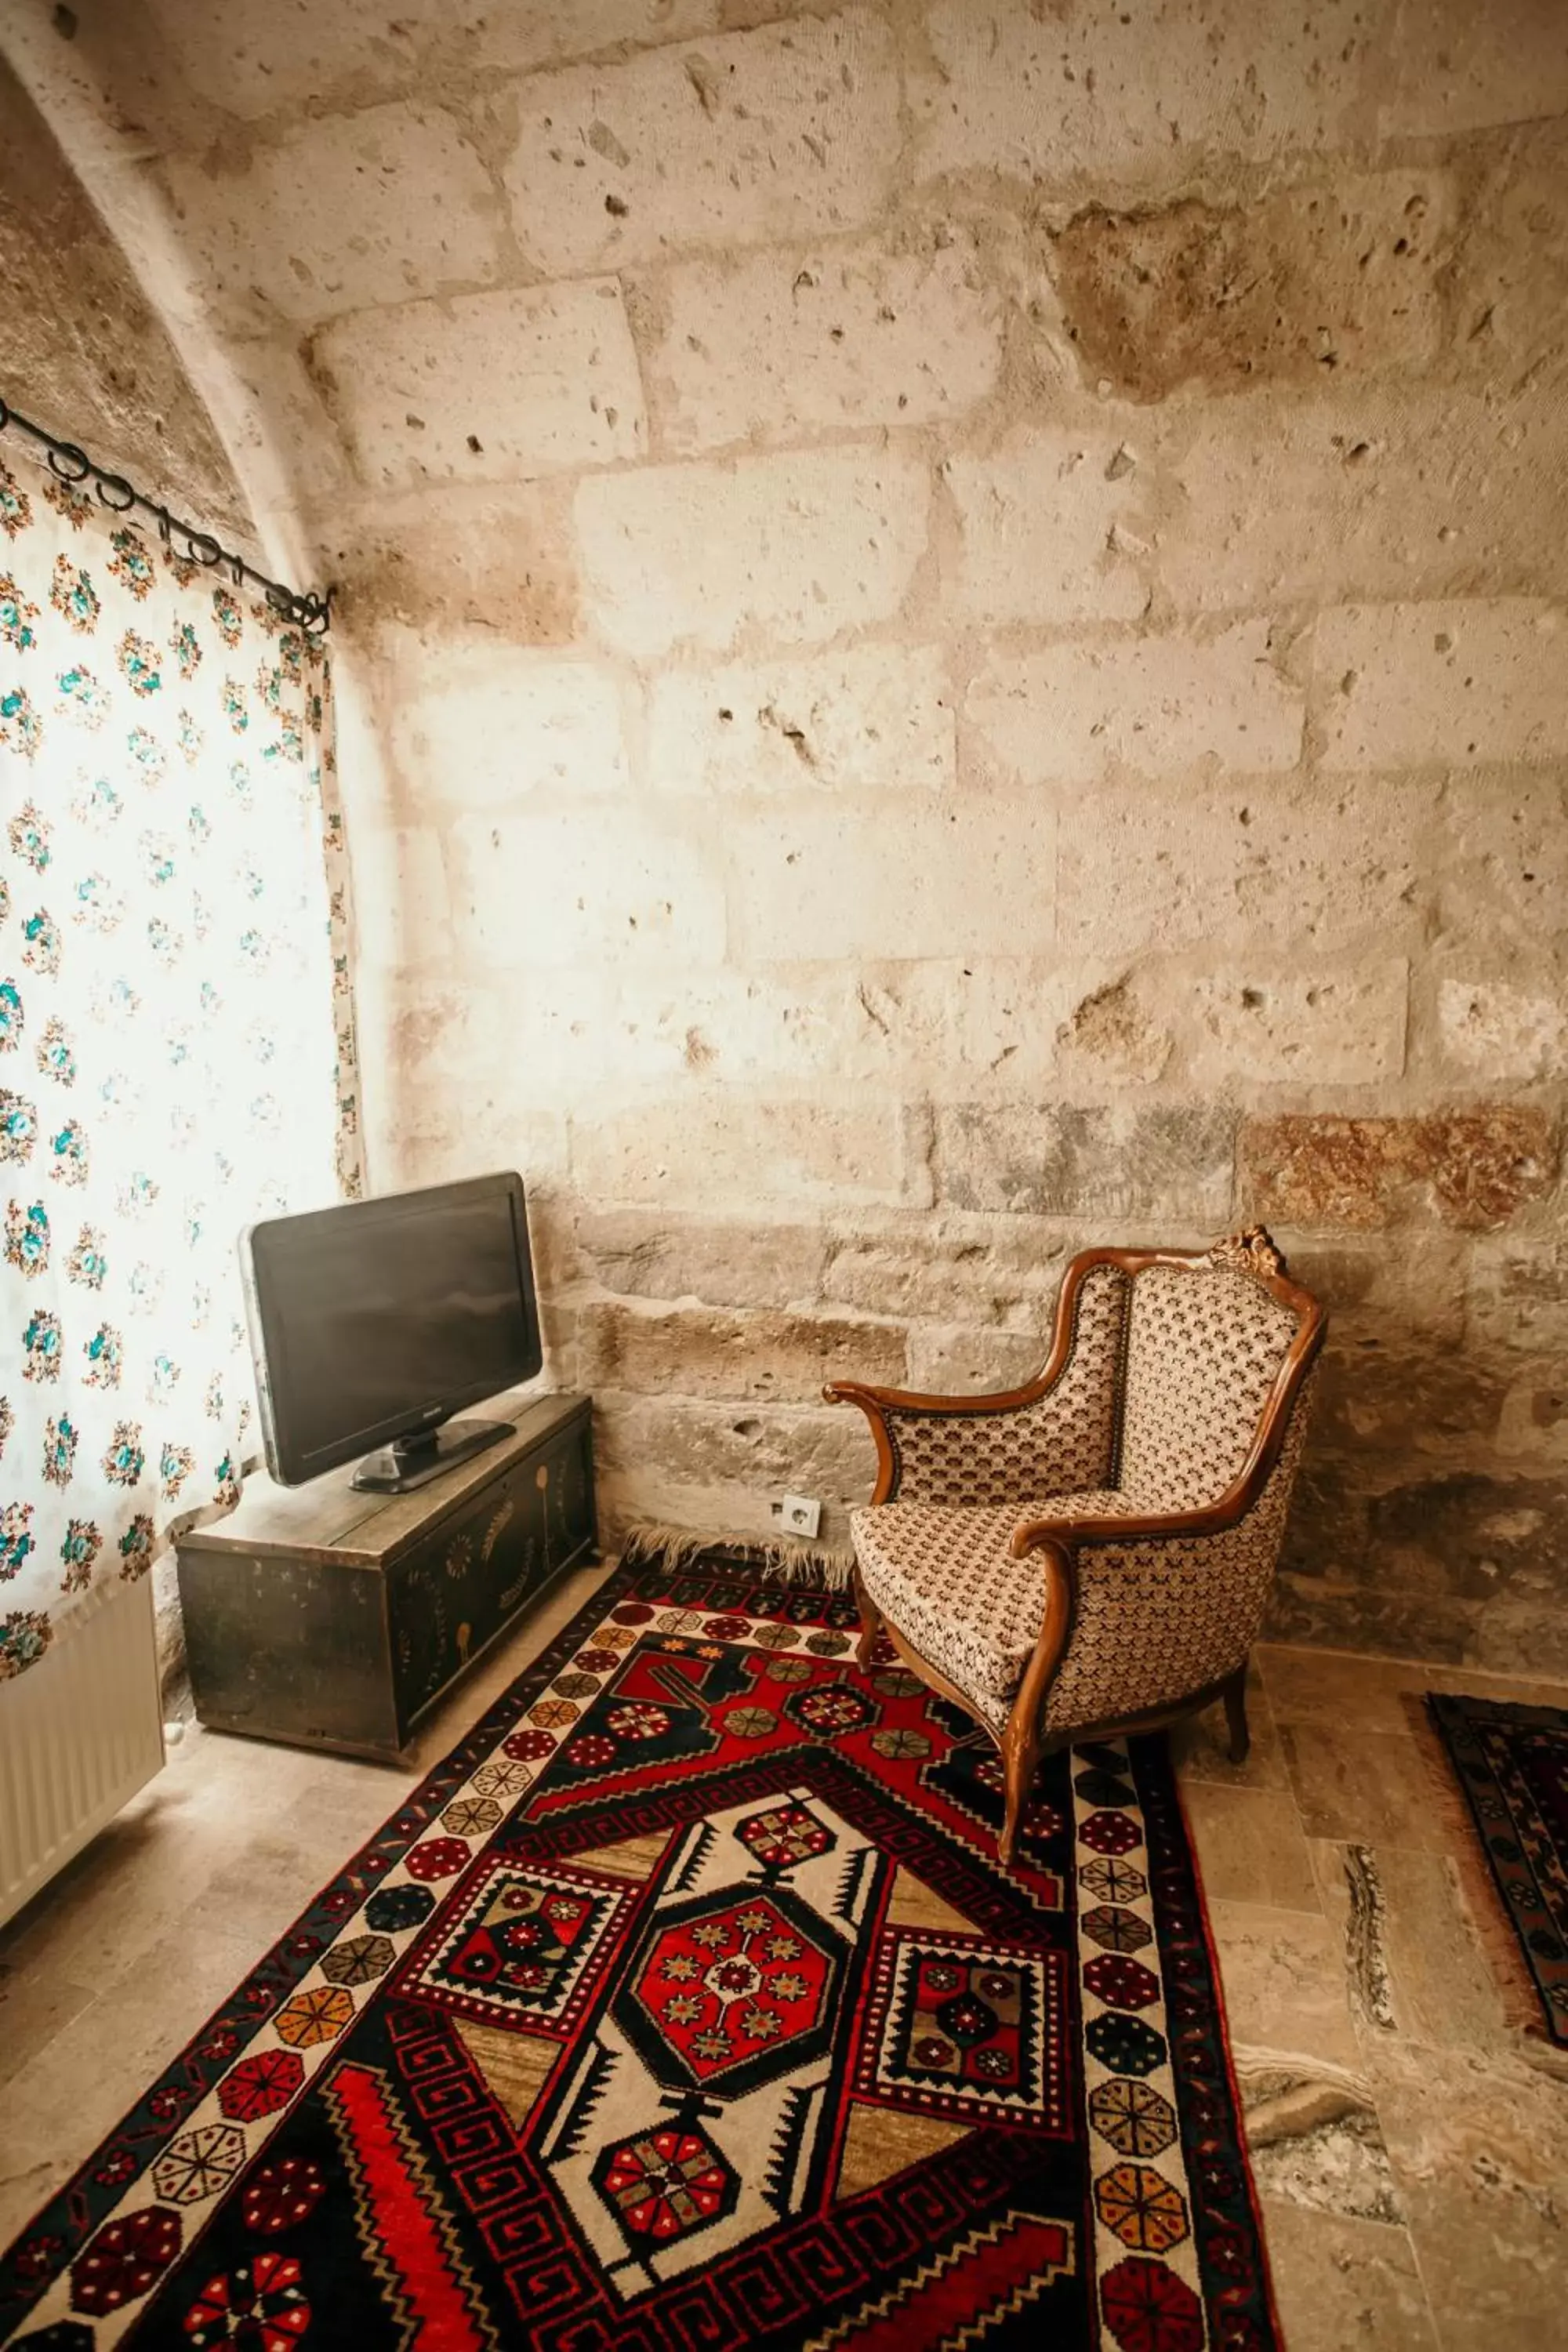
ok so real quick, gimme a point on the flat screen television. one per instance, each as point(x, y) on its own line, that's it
point(371, 1325)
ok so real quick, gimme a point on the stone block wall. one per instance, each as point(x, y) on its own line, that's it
point(959, 624)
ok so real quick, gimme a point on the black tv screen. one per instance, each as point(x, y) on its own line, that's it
point(375, 1321)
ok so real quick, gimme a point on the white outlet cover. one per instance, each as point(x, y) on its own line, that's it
point(801, 1513)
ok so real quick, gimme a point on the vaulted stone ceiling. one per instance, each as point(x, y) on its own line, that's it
point(84, 352)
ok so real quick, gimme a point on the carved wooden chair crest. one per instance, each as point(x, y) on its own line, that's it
point(1092, 1553)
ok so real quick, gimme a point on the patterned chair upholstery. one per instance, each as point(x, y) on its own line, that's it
point(1093, 1552)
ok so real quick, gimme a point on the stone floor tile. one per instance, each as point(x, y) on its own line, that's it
point(116, 1896)
point(1283, 1976)
point(1479, 2147)
point(1416, 1965)
point(1250, 1847)
point(1350, 1883)
point(37, 2003)
point(1315, 2139)
point(1334, 1687)
point(1331, 1687)
point(1369, 1788)
point(1200, 1745)
point(264, 1889)
point(1343, 2285)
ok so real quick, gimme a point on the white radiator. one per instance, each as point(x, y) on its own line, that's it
point(80, 1733)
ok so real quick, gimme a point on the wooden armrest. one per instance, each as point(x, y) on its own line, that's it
point(1130, 1528)
point(876, 1402)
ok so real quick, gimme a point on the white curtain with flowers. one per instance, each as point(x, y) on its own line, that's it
point(176, 1047)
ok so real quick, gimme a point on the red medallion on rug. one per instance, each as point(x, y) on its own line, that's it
point(686, 2005)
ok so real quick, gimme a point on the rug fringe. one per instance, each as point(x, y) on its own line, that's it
point(1495, 1931)
point(790, 1562)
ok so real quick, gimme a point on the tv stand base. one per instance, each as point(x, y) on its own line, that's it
point(336, 1619)
point(412, 1462)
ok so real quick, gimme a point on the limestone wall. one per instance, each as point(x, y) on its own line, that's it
point(962, 619)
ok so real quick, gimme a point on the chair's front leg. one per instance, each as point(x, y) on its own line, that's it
point(1235, 1696)
point(870, 1622)
point(1021, 1738)
point(1020, 1758)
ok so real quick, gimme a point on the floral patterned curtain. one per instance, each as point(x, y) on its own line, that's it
point(176, 1041)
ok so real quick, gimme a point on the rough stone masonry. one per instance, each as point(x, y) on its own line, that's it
point(957, 618)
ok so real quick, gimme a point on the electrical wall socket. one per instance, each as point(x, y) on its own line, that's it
point(799, 1515)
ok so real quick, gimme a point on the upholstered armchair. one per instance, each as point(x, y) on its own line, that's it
point(1091, 1553)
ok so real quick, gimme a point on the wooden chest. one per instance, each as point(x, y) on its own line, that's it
point(336, 1619)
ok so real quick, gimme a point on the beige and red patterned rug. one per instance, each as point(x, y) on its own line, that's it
point(685, 2004)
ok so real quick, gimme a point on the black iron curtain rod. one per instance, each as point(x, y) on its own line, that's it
point(311, 613)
